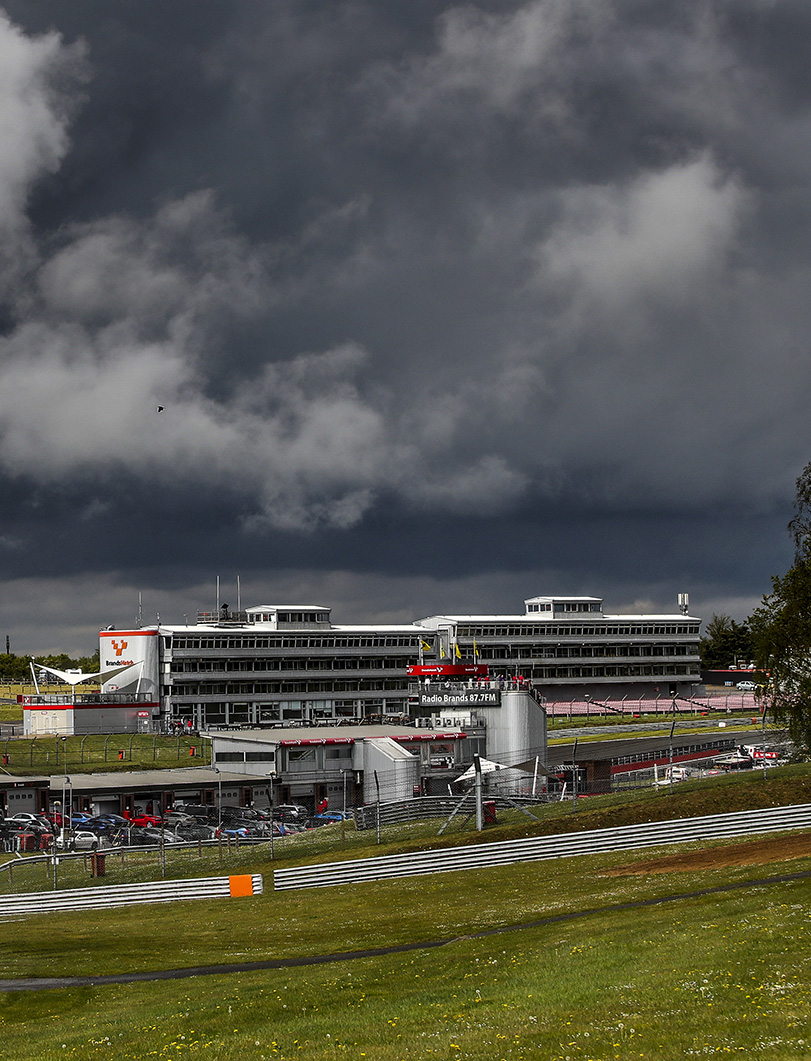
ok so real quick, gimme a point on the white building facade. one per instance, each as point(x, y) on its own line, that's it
point(283, 665)
point(568, 647)
point(270, 665)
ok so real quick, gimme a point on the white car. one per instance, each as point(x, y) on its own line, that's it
point(746, 687)
point(82, 840)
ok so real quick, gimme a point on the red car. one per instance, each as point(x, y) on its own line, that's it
point(146, 819)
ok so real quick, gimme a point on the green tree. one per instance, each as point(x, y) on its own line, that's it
point(725, 643)
point(17, 669)
point(781, 630)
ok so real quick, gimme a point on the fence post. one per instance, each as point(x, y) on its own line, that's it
point(377, 786)
point(479, 816)
point(574, 775)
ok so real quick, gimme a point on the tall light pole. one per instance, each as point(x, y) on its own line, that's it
point(67, 800)
point(574, 775)
point(759, 696)
point(670, 756)
point(219, 798)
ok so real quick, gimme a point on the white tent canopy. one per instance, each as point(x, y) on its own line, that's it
point(488, 766)
point(77, 677)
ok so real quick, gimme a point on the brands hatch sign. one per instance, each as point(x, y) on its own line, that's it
point(461, 698)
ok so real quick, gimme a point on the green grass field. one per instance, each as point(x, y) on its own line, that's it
point(99, 752)
point(717, 974)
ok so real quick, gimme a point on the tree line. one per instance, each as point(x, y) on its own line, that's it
point(17, 669)
point(781, 629)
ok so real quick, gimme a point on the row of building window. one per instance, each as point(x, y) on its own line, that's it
point(535, 673)
point(566, 606)
point(181, 666)
point(222, 713)
point(670, 670)
point(497, 652)
point(595, 629)
point(233, 643)
point(282, 688)
point(246, 757)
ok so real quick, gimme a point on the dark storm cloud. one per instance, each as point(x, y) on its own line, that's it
point(440, 299)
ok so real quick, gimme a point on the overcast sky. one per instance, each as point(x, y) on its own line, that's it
point(446, 305)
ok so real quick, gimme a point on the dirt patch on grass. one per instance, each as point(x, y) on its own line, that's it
point(758, 852)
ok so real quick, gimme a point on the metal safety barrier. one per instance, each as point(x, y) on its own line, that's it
point(420, 807)
point(106, 897)
point(532, 849)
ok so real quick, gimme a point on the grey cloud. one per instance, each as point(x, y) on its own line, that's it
point(496, 275)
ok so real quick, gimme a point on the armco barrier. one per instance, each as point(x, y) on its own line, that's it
point(420, 807)
point(103, 898)
point(532, 849)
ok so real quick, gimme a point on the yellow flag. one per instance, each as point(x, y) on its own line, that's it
point(458, 653)
point(426, 647)
point(475, 649)
point(441, 651)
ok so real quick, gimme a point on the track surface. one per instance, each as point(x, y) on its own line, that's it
point(48, 983)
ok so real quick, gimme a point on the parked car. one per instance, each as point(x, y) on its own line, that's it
point(234, 817)
point(246, 814)
point(233, 829)
point(290, 812)
point(145, 819)
point(38, 820)
point(196, 831)
point(145, 836)
point(81, 840)
point(329, 818)
point(174, 819)
point(746, 687)
point(202, 811)
point(77, 818)
point(289, 828)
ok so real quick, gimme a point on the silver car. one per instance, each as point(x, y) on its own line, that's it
point(81, 840)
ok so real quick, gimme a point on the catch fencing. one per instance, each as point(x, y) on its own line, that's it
point(666, 706)
point(103, 898)
point(422, 807)
point(533, 849)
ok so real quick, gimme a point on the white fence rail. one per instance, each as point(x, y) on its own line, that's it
point(108, 896)
point(503, 853)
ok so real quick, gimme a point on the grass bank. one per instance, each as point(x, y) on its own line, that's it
point(728, 973)
point(100, 752)
point(704, 975)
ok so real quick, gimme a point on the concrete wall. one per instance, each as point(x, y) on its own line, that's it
point(398, 770)
point(516, 729)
